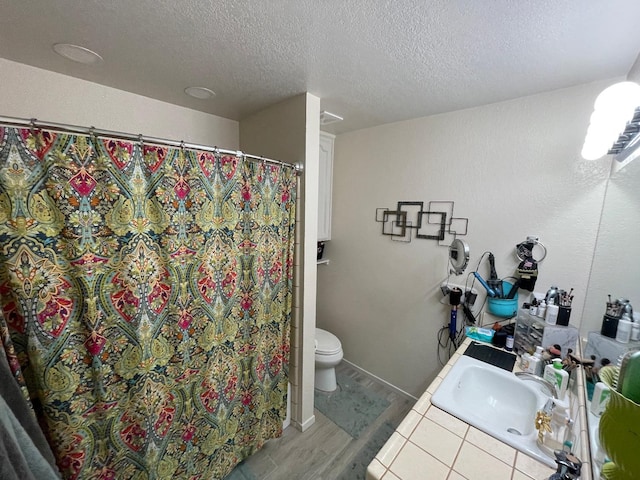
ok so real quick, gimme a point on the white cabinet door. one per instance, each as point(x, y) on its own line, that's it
point(324, 186)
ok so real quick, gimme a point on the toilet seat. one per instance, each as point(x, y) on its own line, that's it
point(327, 343)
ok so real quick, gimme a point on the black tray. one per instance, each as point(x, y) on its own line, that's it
point(491, 355)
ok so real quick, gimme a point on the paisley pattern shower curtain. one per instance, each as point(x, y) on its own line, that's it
point(147, 294)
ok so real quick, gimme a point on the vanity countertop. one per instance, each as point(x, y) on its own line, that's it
point(431, 444)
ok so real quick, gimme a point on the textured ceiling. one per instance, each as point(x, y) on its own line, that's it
point(370, 61)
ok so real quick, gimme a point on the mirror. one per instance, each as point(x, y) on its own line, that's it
point(458, 256)
point(615, 269)
point(616, 262)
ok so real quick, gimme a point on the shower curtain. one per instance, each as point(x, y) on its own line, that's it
point(146, 301)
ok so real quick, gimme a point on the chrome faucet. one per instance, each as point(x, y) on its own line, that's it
point(553, 390)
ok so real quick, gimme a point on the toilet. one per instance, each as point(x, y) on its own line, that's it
point(328, 356)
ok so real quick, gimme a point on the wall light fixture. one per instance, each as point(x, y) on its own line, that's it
point(615, 120)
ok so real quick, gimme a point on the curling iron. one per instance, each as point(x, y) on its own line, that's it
point(490, 291)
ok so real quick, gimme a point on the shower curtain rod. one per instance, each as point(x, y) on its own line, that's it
point(66, 128)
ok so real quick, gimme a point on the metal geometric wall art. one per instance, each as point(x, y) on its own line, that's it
point(435, 223)
point(394, 223)
point(429, 232)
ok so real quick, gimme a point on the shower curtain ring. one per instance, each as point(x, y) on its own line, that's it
point(32, 131)
point(93, 142)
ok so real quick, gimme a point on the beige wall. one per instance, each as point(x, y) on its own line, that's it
point(290, 131)
point(513, 169)
point(29, 92)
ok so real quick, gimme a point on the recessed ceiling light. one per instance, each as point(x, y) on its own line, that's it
point(201, 93)
point(77, 53)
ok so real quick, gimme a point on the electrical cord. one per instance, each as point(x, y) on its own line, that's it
point(447, 345)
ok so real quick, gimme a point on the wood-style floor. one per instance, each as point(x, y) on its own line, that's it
point(324, 451)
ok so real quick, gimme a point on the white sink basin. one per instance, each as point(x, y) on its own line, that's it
point(494, 401)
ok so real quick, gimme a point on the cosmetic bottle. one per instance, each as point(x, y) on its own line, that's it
point(525, 358)
point(552, 314)
point(536, 362)
point(623, 334)
point(532, 363)
point(601, 393)
point(559, 425)
point(542, 309)
point(635, 327)
point(635, 331)
point(557, 376)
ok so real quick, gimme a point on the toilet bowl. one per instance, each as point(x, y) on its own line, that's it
point(328, 356)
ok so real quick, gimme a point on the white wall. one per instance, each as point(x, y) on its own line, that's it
point(513, 168)
point(29, 92)
point(290, 131)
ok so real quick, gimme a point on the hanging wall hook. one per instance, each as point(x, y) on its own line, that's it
point(525, 249)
